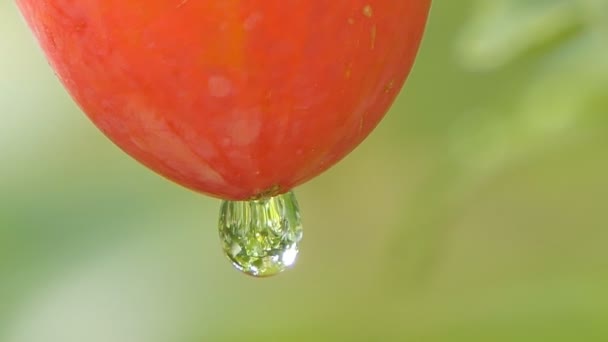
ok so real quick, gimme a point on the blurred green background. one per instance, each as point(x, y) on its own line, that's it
point(477, 211)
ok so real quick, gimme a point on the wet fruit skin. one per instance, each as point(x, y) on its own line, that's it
point(236, 99)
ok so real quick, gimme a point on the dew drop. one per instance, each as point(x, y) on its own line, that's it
point(261, 237)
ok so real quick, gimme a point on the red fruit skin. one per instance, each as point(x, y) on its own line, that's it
point(234, 98)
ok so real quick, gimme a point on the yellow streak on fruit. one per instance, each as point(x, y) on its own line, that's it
point(228, 39)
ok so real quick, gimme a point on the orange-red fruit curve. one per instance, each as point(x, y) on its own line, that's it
point(232, 98)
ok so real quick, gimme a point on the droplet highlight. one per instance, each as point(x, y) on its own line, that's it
point(261, 237)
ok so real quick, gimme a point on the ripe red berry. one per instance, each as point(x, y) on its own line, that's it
point(233, 98)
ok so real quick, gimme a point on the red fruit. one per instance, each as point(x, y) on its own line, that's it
point(232, 98)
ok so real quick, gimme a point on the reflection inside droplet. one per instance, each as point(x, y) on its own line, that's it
point(261, 237)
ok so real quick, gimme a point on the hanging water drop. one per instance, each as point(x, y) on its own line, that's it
point(261, 237)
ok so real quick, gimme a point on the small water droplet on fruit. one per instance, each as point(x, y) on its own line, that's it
point(261, 237)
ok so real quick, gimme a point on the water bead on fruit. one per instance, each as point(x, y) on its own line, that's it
point(239, 100)
point(261, 237)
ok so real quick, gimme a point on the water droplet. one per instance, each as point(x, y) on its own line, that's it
point(261, 237)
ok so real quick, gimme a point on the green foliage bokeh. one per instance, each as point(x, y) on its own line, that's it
point(475, 212)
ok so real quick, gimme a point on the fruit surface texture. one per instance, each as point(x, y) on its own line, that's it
point(237, 99)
